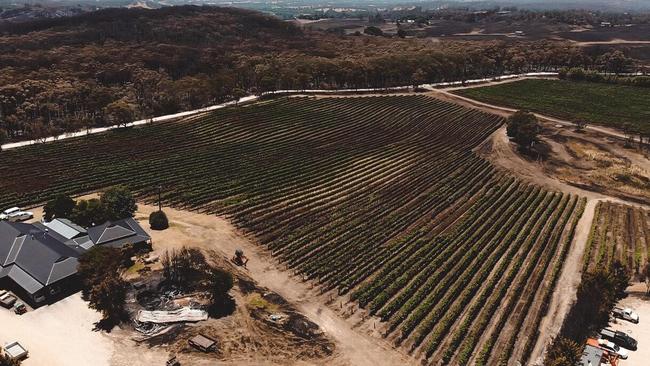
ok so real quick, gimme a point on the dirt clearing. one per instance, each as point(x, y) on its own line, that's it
point(214, 233)
point(62, 334)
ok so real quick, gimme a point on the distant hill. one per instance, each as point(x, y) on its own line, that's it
point(115, 65)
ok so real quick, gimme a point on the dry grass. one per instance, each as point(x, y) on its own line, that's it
point(607, 169)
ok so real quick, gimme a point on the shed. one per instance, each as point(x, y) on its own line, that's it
point(118, 233)
point(203, 343)
point(591, 356)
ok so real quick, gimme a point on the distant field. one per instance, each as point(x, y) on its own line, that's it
point(379, 197)
point(610, 105)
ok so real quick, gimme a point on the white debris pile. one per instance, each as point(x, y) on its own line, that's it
point(184, 314)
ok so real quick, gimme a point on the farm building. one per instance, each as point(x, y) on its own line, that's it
point(39, 261)
point(65, 228)
point(591, 356)
point(118, 233)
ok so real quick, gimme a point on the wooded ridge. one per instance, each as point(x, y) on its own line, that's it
point(114, 66)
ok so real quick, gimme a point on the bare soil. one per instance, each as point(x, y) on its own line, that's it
point(572, 162)
point(598, 164)
point(566, 287)
point(217, 234)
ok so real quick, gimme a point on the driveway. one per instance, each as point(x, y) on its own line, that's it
point(62, 335)
point(59, 334)
point(641, 332)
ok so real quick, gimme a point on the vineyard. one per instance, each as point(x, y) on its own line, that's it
point(618, 233)
point(599, 103)
point(378, 198)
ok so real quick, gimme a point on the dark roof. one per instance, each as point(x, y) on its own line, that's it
point(118, 233)
point(33, 257)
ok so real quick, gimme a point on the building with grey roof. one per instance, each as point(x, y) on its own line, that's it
point(38, 261)
point(65, 228)
point(591, 356)
point(118, 233)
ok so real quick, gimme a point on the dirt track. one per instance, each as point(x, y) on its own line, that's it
point(613, 41)
point(445, 94)
point(567, 285)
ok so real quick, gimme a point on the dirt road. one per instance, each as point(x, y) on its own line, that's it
point(566, 289)
point(445, 94)
point(610, 42)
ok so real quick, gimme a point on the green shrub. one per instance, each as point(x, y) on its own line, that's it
point(373, 31)
point(158, 220)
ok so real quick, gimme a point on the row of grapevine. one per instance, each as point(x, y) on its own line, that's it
point(618, 233)
point(381, 198)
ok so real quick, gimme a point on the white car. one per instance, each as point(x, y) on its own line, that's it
point(612, 348)
point(626, 314)
point(16, 214)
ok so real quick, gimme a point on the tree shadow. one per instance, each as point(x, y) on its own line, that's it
point(107, 324)
point(222, 308)
point(541, 151)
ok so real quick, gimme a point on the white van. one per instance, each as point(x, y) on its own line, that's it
point(15, 214)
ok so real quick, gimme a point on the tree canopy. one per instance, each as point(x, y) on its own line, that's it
point(118, 203)
point(523, 128)
point(103, 287)
point(89, 213)
point(114, 204)
point(563, 352)
point(373, 31)
point(158, 220)
point(60, 207)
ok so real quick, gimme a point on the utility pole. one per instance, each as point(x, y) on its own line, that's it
point(159, 197)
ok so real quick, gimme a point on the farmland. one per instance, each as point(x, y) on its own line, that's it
point(618, 233)
point(378, 198)
point(609, 105)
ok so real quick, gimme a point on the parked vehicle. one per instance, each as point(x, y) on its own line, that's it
point(5, 214)
point(173, 361)
point(626, 314)
point(612, 348)
point(20, 308)
point(15, 351)
point(620, 338)
point(15, 214)
point(7, 300)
